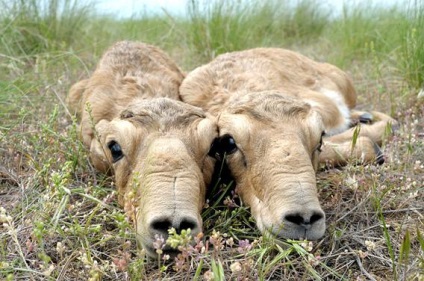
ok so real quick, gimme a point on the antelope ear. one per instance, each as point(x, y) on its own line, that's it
point(98, 154)
point(75, 97)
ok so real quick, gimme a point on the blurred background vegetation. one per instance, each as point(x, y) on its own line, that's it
point(364, 31)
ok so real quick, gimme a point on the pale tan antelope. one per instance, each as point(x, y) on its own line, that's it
point(279, 114)
point(157, 147)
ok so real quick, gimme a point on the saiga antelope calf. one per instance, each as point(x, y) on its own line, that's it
point(157, 147)
point(279, 115)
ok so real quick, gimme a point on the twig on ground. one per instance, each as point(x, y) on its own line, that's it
point(361, 267)
point(350, 211)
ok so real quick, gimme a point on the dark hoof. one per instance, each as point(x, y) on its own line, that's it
point(366, 118)
point(380, 159)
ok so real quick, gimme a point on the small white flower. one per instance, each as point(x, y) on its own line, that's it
point(351, 182)
point(230, 241)
point(208, 276)
point(235, 267)
point(60, 248)
point(370, 245)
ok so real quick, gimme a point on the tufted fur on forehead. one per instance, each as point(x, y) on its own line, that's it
point(168, 112)
point(137, 59)
point(128, 71)
point(268, 105)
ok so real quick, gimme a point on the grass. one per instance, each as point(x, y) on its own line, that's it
point(59, 219)
point(411, 45)
point(221, 26)
point(32, 27)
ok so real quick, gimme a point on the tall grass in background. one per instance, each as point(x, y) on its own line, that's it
point(104, 30)
point(222, 26)
point(381, 35)
point(35, 58)
point(412, 46)
point(30, 26)
point(364, 30)
point(217, 27)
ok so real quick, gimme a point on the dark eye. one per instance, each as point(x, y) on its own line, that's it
point(222, 146)
point(115, 150)
point(228, 144)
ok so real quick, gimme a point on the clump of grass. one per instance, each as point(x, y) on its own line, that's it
point(385, 37)
point(30, 27)
point(304, 21)
point(149, 28)
point(217, 27)
point(223, 26)
point(363, 31)
point(411, 51)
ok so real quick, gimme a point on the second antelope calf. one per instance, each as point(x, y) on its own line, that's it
point(279, 115)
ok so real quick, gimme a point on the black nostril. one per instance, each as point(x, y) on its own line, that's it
point(161, 225)
point(301, 220)
point(186, 224)
point(295, 218)
point(316, 217)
